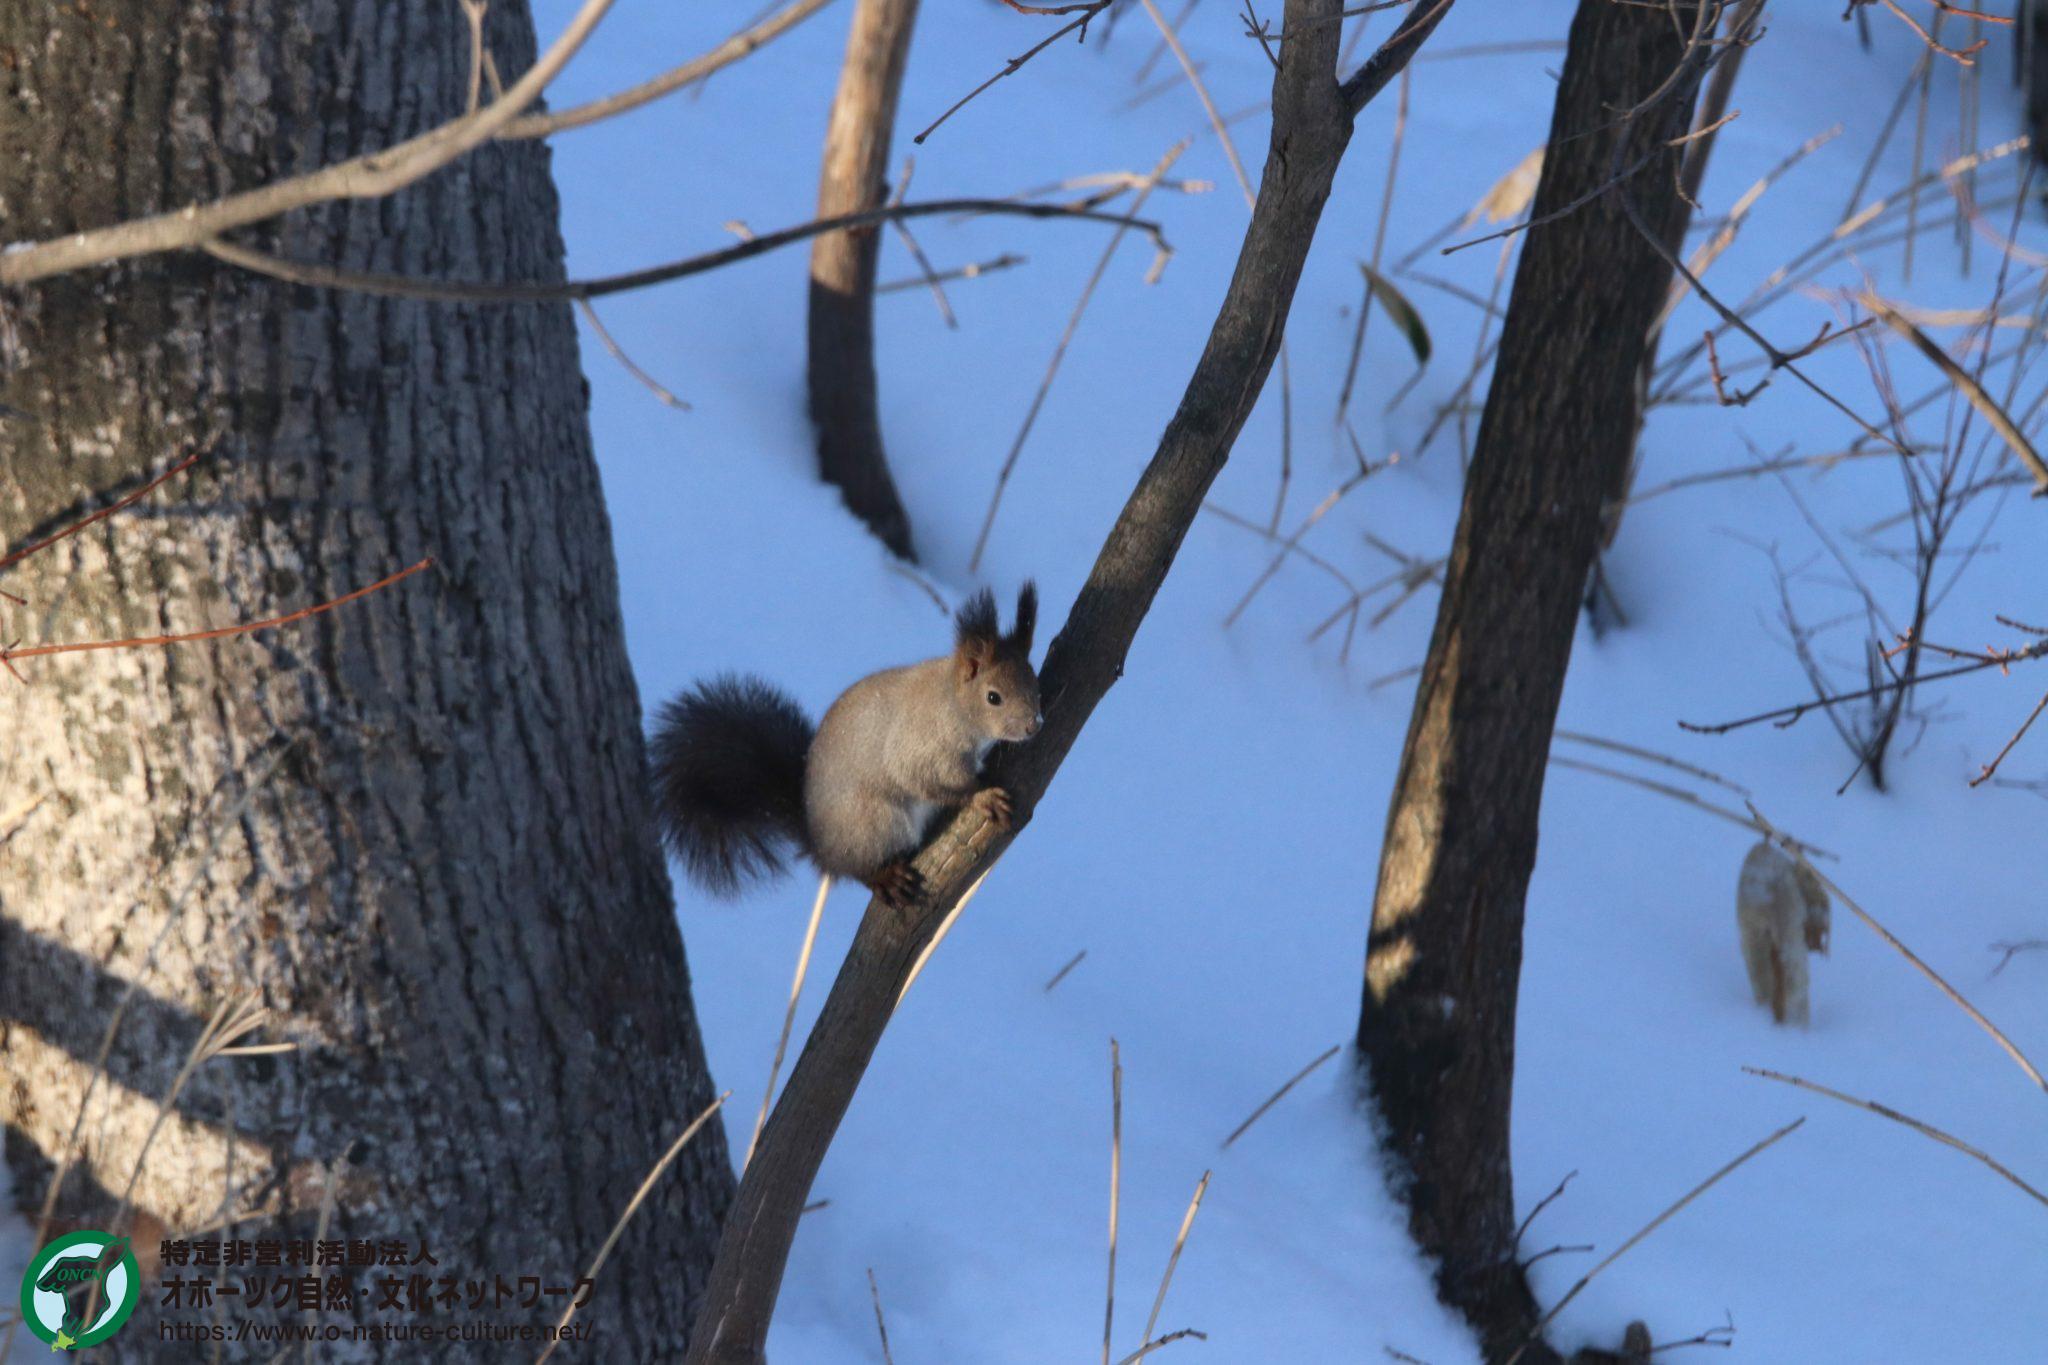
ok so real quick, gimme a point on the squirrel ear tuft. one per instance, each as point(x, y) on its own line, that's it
point(975, 624)
point(1027, 618)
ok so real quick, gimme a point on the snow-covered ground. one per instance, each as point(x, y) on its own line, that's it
point(1213, 839)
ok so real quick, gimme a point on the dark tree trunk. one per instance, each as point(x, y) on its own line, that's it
point(1437, 1031)
point(2030, 70)
point(844, 408)
point(415, 826)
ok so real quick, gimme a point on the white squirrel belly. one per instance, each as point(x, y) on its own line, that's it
point(917, 818)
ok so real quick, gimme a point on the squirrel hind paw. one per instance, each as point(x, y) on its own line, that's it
point(899, 885)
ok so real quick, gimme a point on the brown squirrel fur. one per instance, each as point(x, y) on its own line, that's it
point(741, 776)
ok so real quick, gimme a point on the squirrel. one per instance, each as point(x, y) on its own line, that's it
point(741, 775)
point(1782, 911)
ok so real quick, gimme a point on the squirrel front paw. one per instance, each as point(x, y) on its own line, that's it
point(899, 885)
point(994, 805)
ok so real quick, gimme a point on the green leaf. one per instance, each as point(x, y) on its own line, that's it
point(1400, 310)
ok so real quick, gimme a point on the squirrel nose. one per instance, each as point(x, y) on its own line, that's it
point(1036, 721)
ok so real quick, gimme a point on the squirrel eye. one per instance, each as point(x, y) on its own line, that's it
point(995, 699)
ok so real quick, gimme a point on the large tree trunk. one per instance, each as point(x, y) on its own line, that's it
point(1437, 1032)
point(854, 178)
point(415, 826)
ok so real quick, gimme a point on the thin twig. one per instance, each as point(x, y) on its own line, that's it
point(1059, 354)
point(1695, 1192)
point(9, 655)
point(922, 261)
point(973, 270)
point(1379, 242)
point(1886, 1111)
point(1678, 794)
point(1221, 127)
point(796, 990)
point(1651, 756)
point(1545, 1202)
point(1149, 1347)
point(479, 291)
point(618, 353)
point(2011, 1048)
point(1116, 1168)
point(632, 1207)
point(740, 45)
point(1293, 542)
point(1786, 715)
point(1968, 386)
point(945, 928)
point(880, 1326)
point(1061, 974)
point(1180, 1240)
point(1296, 1079)
point(2008, 951)
point(1016, 64)
point(10, 560)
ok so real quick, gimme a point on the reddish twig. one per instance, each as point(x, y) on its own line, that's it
point(10, 654)
point(1991, 768)
point(1965, 56)
point(137, 496)
point(1740, 398)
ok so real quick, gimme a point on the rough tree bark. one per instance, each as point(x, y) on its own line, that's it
point(1738, 28)
point(1437, 1031)
point(844, 408)
point(1312, 117)
point(415, 826)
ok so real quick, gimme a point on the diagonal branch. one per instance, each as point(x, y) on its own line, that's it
point(1311, 125)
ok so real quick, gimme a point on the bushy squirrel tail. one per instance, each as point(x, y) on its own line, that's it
point(728, 766)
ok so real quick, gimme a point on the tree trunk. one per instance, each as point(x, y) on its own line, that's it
point(1437, 1031)
point(844, 409)
point(415, 826)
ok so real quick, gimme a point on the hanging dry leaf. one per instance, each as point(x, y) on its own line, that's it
point(1510, 195)
point(1400, 310)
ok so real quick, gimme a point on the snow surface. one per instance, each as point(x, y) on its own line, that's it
point(1213, 839)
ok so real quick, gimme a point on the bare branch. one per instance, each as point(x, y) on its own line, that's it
point(475, 291)
point(740, 45)
point(1016, 64)
point(1296, 1079)
point(1886, 1111)
point(371, 176)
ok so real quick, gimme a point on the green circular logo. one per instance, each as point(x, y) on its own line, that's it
point(80, 1289)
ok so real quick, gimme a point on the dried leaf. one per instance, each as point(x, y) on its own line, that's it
point(1983, 402)
point(1510, 195)
point(1401, 311)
